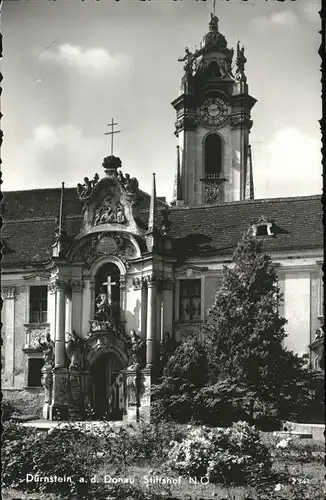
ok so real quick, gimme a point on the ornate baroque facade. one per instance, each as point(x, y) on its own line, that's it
point(98, 280)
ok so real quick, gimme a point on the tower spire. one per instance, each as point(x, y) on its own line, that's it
point(61, 228)
point(152, 208)
point(177, 188)
point(249, 181)
point(151, 231)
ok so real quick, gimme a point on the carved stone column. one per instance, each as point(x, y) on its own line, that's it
point(151, 321)
point(60, 402)
point(60, 324)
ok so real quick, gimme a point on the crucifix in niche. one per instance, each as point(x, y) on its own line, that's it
point(107, 293)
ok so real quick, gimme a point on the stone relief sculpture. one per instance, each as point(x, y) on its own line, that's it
point(108, 213)
point(212, 192)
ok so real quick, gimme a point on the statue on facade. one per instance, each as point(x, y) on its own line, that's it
point(103, 311)
point(131, 184)
point(48, 351)
point(75, 351)
point(137, 350)
point(95, 179)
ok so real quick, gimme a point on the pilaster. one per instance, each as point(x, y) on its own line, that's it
point(151, 338)
point(9, 295)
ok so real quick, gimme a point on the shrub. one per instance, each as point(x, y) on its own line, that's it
point(20, 402)
point(230, 455)
point(62, 452)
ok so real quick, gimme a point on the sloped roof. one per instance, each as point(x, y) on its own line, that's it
point(298, 223)
point(29, 224)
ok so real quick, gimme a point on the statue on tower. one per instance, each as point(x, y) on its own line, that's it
point(188, 58)
point(240, 65)
point(213, 23)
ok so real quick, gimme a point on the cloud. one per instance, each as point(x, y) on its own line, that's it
point(51, 155)
point(311, 11)
point(290, 165)
point(97, 59)
point(285, 19)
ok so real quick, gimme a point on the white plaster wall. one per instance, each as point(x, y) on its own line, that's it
point(21, 314)
point(133, 307)
point(297, 311)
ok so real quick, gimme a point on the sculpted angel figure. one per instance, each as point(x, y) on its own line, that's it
point(137, 353)
point(75, 351)
point(48, 351)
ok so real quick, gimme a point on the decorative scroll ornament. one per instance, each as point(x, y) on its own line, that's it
point(213, 188)
point(105, 244)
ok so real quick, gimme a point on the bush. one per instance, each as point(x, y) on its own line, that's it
point(60, 452)
point(230, 455)
point(22, 403)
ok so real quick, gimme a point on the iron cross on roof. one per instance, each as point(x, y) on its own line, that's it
point(112, 132)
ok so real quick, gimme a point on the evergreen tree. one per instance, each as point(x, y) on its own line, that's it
point(185, 373)
point(246, 336)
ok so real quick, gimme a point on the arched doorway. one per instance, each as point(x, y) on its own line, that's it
point(108, 391)
point(108, 280)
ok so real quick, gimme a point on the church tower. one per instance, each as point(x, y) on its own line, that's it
point(213, 124)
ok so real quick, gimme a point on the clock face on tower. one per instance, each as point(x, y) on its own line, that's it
point(213, 111)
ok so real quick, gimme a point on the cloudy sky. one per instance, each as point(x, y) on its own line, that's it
point(70, 66)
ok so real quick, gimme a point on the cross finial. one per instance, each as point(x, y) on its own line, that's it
point(112, 132)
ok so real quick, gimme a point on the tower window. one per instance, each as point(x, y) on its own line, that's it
point(213, 155)
point(38, 304)
point(213, 70)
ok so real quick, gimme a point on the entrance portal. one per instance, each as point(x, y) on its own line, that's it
point(108, 388)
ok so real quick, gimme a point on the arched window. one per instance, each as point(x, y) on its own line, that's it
point(213, 70)
point(213, 155)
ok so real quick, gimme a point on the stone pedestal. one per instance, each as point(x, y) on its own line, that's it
point(60, 403)
point(47, 382)
point(132, 394)
point(145, 394)
point(75, 392)
point(138, 400)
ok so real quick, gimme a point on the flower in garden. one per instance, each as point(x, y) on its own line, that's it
point(283, 443)
point(278, 487)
